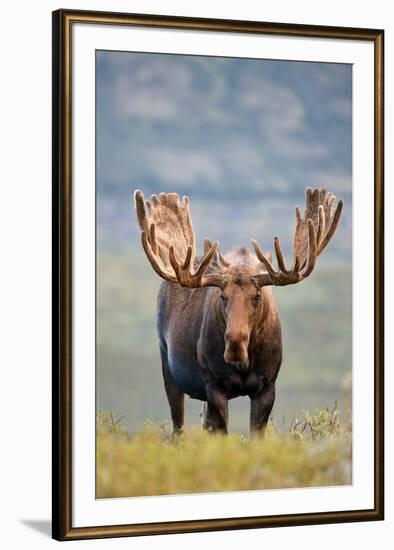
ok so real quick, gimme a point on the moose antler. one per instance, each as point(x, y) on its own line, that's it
point(312, 234)
point(169, 241)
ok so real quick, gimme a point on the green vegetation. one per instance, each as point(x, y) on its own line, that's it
point(314, 451)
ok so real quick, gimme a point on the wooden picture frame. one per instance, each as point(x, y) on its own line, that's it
point(63, 22)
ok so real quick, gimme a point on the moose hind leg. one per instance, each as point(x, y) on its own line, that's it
point(176, 398)
point(260, 409)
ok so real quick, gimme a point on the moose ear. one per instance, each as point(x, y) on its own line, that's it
point(218, 259)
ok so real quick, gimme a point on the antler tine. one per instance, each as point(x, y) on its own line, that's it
point(279, 255)
point(142, 214)
point(312, 251)
point(160, 270)
point(321, 225)
point(263, 259)
point(152, 237)
point(188, 258)
point(332, 227)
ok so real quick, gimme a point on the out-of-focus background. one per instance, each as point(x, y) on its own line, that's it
point(243, 138)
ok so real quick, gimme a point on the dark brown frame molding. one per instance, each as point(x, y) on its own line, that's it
point(62, 274)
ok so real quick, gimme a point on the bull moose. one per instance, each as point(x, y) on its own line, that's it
point(218, 324)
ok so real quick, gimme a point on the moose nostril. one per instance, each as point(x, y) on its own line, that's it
point(233, 345)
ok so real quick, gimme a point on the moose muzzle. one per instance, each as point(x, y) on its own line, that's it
point(236, 350)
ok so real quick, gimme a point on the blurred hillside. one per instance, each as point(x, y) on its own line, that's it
point(242, 138)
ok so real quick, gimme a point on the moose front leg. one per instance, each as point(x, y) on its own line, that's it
point(260, 409)
point(176, 398)
point(215, 411)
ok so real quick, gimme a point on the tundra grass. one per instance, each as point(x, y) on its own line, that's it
point(314, 452)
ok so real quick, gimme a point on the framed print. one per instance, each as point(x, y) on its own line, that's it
point(217, 274)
